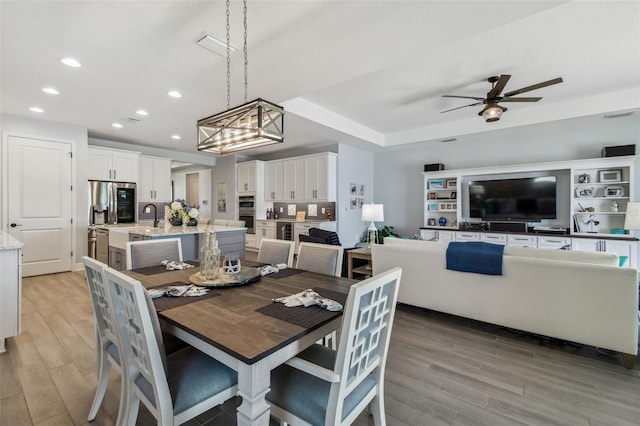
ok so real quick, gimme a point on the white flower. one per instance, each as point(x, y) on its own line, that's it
point(194, 213)
point(176, 205)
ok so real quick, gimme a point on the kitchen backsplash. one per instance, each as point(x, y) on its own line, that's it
point(313, 211)
point(149, 216)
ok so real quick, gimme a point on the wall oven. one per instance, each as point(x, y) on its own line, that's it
point(247, 212)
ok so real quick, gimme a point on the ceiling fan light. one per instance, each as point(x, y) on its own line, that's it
point(492, 112)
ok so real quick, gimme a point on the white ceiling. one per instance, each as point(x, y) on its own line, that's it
point(371, 71)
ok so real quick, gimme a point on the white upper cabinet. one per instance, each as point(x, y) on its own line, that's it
point(306, 178)
point(246, 177)
point(112, 165)
point(274, 181)
point(320, 177)
point(294, 179)
point(155, 179)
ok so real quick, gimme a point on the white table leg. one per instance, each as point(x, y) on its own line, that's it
point(253, 385)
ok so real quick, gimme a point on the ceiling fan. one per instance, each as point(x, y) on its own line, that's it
point(492, 111)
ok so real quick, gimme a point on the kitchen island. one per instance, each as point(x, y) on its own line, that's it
point(231, 240)
point(10, 287)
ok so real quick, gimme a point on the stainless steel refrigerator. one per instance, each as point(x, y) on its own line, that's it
point(111, 202)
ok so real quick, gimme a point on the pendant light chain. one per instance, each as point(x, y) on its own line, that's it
point(246, 56)
point(228, 60)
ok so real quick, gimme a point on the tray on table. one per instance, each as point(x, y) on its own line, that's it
point(246, 276)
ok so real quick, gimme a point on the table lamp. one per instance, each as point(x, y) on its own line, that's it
point(372, 213)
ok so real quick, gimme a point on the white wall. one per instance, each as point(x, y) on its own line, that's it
point(179, 179)
point(78, 137)
point(354, 166)
point(398, 182)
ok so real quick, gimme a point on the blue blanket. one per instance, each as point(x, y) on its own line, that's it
point(475, 256)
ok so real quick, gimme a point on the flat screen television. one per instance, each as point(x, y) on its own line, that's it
point(528, 199)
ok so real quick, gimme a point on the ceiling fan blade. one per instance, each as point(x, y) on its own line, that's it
point(534, 87)
point(520, 99)
point(453, 109)
point(502, 81)
point(463, 97)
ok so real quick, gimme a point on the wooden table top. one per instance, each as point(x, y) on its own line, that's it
point(230, 321)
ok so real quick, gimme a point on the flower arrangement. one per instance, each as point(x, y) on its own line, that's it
point(179, 211)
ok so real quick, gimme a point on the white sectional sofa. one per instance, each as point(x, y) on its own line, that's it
point(578, 296)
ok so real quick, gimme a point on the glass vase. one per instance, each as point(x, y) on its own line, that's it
point(209, 257)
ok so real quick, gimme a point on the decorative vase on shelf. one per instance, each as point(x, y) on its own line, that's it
point(175, 221)
point(209, 257)
point(442, 221)
point(192, 222)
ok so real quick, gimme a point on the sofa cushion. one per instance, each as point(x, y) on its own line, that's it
point(594, 258)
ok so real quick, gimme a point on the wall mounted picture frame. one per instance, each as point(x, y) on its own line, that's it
point(610, 175)
point(222, 197)
point(436, 184)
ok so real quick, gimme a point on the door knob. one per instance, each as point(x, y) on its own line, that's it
point(13, 225)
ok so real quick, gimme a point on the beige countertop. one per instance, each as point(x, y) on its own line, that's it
point(7, 242)
point(181, 230)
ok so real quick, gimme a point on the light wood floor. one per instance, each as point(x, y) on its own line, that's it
point(441, 370)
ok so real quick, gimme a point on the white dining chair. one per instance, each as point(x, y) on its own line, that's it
point(107, 347)
point(220, 222)
point(174, 389)
point(273, 251)
point(323, 387)
point(141, 254)
point(321, 258)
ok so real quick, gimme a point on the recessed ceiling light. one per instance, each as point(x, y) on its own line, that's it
point(50, 90)
point(70, 62)
point(117, 125)
point(176, 137)
point(175, 94)
point(142, 112)
point(36, 109)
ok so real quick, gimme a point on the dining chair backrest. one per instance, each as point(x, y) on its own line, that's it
point(220, 222)
point(108, 348)
point(276, 251)
point(139, 341)
point(364, 341)
point(236, 223)
point(141, 254)
point(321, 258)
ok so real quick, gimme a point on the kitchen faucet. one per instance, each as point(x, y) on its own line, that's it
point(155, 213)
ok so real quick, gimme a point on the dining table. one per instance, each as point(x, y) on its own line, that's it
point(244, 328)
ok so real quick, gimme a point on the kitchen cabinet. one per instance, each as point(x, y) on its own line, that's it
point(10, 287)
point(117, 258)
point(522, 241)
point(621, 248)
point(154, 184)
point(302, 228)
point(320, 177)
point(264, 229)
point(246, 175)
point(293, 171)
point(305, 178)
point(274, 181)
point(112, 165)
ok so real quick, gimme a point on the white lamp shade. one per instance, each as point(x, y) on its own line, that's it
point(372, 213)
point(632, 219)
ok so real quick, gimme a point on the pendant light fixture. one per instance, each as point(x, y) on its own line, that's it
point(251, 125)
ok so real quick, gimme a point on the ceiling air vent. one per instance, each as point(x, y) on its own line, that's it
point(130, 120)
point(214, 45)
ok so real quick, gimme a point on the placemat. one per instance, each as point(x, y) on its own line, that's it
point(167, 302)
point(286, 273)
point(305, 317)
point(156, 269)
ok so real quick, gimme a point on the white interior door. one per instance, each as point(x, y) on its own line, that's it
point(39, 201)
